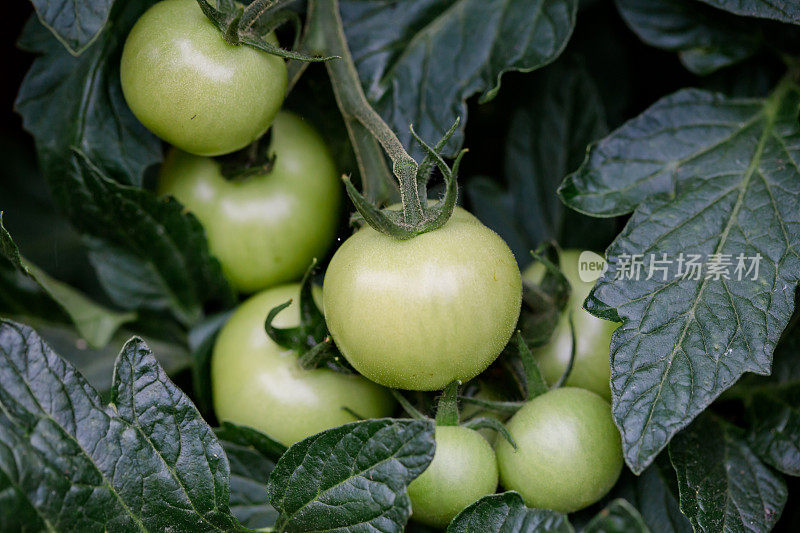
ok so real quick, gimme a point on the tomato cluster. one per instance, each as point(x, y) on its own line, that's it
point(415, 314)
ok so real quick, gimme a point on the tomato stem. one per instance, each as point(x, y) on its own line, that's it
point(447, 410)
point(368, 133)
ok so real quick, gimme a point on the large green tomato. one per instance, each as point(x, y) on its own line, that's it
point(568, 454)
point(264, 229)
point(463, 470)
point(591, 369)
point(421, 313)
point(194, 90)
point(259, 384)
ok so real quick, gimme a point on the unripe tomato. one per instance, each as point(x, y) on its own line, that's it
point(259, 384)
point(264, 229)
point(418, 314)
point(194, 90)
point(463, 470)
point(591, 369)
point(569, 452)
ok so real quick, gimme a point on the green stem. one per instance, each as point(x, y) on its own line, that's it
point(447, 411)
point(362, 120)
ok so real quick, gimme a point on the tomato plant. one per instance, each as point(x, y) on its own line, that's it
point(421, 313)
point(166, 197)
point(193, 89)
point(590, 368)
point(264, 228)
point(257, 383)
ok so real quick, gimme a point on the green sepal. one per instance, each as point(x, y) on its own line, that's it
point(426, 167)
point(380, 220)
point(535, 383)
point(310, 339)
point(409, 223)
point(567, 371)
point(249, 25)
point(447, 410)
point(485, 422)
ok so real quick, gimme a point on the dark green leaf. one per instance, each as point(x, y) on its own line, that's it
point(705, 38)
point(723, 485)
point(506, 513)
point(252, 456)
point(494, 206)
point(156, 248)
point(775, 431)
point(351, 476)
point(95, 323)
point(547, 139)
point(709, 175)
point(147, 461)
point(75, 24)
point(201, 340)
point(652, 493)
point(618, 517)
point(770, 9)
point(420, 59)
point(68, 102)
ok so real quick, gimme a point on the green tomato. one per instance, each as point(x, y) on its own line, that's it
point(463, 470)
point(418, 314)
point(591, 369)
point(257, 383)
point(264, 229)
point(568, 454)
point(194, 90)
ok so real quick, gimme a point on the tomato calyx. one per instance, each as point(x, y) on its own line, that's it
point(417, 215)
point(310, 339)
point(255, 160)
point(447, 413)
point(248, 25)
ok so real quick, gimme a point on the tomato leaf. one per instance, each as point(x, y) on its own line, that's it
point(146, 461)
point(546, 139)
point(723, 485)
point(95, 323)
point(355, 474)
point(654, 494)
point(75, 24)
point(68, 102)
point(775, 431)
point(619, 516)
point(506, 513)
point(148, 254)
point(705, 39)
point(704, 175)
point(782, 11)
point(252, 456)
point(201, 340)
point(419, 60)
point(154, 242)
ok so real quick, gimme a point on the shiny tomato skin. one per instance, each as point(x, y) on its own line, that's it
point(418, 314)
point(266, 229)
point(259, 384)
point(194, 90)
point(569, 452)
point(463, 470)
